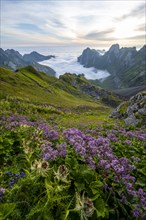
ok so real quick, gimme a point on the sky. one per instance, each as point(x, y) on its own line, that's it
point(97, 23)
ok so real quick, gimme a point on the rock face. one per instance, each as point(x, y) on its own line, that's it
point(13, 60)
point(81, 85)
point(89, 57)
point(34, 57)
point(127, 66)
point(133, 111)
point(45, 69)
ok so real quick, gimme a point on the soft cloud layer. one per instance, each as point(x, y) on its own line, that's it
point(138, 12)
point(70, 65)
point(101, 23)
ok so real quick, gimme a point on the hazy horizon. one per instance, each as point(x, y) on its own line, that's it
point(97, 24)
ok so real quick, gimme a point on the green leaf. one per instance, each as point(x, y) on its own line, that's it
point(141, 182)
point(80, 186)
point(95, 186)
point(101, 210)
point(96, 196)
point(143, 171)
point(6, 209)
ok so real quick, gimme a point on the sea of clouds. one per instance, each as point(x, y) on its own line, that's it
point(65, 60)
point(69, 64)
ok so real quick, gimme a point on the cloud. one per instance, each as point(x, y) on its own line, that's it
point(96, 35)
point(141, 28)
point(66, 22)
point(137, 12)
point(28, 27)
point(55, 23)
point(138, 37)
point(70, 65)
point(86, 19)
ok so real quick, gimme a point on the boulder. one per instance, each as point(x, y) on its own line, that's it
point(131, 120)
point(115, 114)
point(133, 112)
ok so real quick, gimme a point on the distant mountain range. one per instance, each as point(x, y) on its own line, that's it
point(13, 60)
point(127, 66)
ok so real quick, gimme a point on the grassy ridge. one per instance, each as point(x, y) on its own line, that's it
point(29, 92)
point(38, 87)
point(62, 158)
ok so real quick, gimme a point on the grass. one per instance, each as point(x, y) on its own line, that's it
point(29, 92)
point(62, 157)
point(39, 88)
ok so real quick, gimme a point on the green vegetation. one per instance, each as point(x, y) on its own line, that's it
point(134, 76)
point(29, 92)
point(36, 87)
point(62, 158)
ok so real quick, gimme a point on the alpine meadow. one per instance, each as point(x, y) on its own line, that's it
point(73, 110)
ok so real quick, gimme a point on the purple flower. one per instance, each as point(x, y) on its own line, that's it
point(141, 138)
point(52, 135)
point(2, 191)
point(127, 142)
point(123, 199)
point(143, 201)
point(22, 174)
point(131, 134)
point(50, 155)
point(136, 213)
point(112, 137)
point(62, 149)
point(12, 182)
point(140, 192)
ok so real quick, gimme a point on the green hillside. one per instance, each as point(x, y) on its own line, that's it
point(41, 95)
point(61, 156)
point(37, 87)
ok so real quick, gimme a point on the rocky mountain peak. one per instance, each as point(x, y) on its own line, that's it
point(87, 49)
point(143, 51)
point(13, 52)
point(114, 49)
point(1, 50)
point(35, 57)
point(12, 59)
point(126, 65)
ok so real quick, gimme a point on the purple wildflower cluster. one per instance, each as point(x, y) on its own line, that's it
point(116, 131)
point(2, 191)
point(142, 196)
point(97, 153)
point(16, 120)
point(14, 177)
point(94, 148)
point(142, 202)
point(51, 152)
point(48, 133)
point(98, 149)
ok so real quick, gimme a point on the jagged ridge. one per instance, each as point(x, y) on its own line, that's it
point(127, 66)
point(12, 59)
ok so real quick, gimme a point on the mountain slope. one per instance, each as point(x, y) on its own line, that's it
point(126, 65)
point(79, 85)
point(12, 59)
point(39, 95)
point(31, 85)
point(35, 57)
